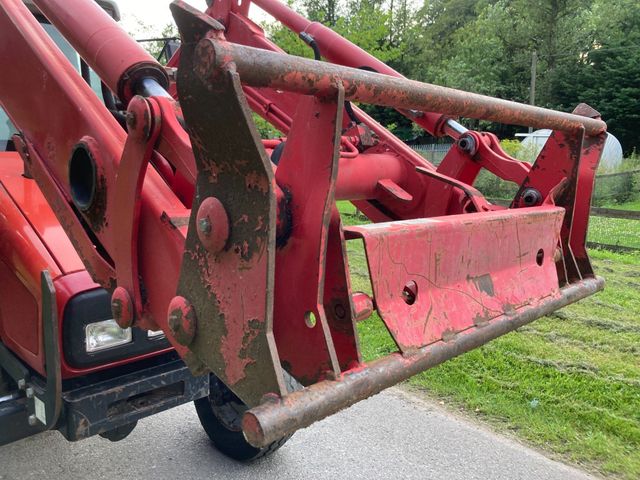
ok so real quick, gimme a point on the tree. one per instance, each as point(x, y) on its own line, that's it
point(431, 38)
point(607, 75)
point(324, 11)
point(587, 50)
point(365, 23)
point(486, 46)
point(145, 31)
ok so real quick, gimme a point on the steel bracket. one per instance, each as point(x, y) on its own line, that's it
point(228, 282)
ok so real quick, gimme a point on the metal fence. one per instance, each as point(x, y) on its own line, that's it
point(614, 229)
point(433, 152)
point(611, 228)
point(616, 188)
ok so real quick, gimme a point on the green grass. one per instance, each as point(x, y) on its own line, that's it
point(568, 383)
point(635, 205)
point(614, 231)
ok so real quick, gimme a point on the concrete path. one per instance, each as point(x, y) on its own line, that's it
point(392, 435)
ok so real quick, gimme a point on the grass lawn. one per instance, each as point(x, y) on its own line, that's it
point(568, 383)
point(614, 231)
point(635, 205)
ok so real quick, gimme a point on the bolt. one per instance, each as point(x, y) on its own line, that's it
point(22, 384)
point(212, 225)
point(33, 420)
point(29, 392)
point(467, 144)
point(205, 226)
point(531, 197)
point(410, 292)
point(122, 307)
point(182, 320)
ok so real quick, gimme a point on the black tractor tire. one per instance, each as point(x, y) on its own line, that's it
point(277, 153)
point(220, 415)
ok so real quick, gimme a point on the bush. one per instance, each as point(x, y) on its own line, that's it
point(512, 147)
point(494, 187)
point(265, 129)
point(620, 188)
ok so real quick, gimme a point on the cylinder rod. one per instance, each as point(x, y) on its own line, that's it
point(262, 68)
point(118, 59)
point(341, 51)
point(276, 418)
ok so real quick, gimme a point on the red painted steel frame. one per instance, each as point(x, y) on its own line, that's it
point(249, 275)
point(32, 240)
point(81, 118)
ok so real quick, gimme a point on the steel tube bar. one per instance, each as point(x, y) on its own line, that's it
point(278, 417)
point(262, 68)
point(338, 50)
point(358, 177)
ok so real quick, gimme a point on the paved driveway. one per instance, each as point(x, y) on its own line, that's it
point(392, 435)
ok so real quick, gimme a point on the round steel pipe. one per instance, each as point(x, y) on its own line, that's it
point(262, 68)
point(358, 177)
point(278, 417)
point(337, 49)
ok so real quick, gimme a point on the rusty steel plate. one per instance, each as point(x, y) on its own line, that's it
point(227, 274)
point(435, 277)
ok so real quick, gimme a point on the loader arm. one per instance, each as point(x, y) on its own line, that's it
point(238, 254)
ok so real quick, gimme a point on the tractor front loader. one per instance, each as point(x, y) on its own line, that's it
point(232, 246)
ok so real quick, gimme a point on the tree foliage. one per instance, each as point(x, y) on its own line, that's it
point(587, 51)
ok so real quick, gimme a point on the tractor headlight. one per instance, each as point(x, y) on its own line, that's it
point(91, 338)
point(105, 334)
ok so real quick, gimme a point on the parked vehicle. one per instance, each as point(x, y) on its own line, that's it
point(154, 250)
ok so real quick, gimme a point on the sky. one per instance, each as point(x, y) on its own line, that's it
point(155, 14)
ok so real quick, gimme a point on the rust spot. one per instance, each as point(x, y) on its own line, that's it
point(96, 213)
point(258, 181)
point(448, 335)
point(174, 222)
point(483, 283)
point(509, 309)
point(236, 345)
point(482, 319)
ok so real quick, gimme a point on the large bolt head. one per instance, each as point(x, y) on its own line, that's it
point(182, 320)
point(122, 307)
point(531, 197)
point(467, 144)
point(212, 225)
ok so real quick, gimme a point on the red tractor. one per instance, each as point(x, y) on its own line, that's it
point(154, 250)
